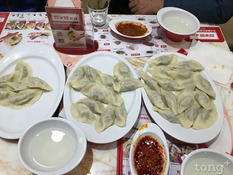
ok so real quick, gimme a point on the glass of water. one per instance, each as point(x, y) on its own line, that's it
point(98, 10)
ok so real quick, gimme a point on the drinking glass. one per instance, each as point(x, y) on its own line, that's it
point(98, 11)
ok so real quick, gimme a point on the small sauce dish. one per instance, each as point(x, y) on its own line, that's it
point(52, 146)
point(149, 151)
point(207, 162)
point(178, 24)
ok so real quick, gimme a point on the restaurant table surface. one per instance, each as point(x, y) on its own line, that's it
point(101, 159)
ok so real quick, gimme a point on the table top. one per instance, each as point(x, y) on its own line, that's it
point(104, 158)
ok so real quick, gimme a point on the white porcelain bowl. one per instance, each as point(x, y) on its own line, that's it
point(207, 161)
point(52, 146)
point(178, 24)
point(150, 129)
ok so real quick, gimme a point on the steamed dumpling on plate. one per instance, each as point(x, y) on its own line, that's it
point(106, 119)
point(101, 93)
point(129, 84)
point(163, 60)
point(121, 115)
point(205, 118)
point(21, 87)
point(22, 99)
point(121, 70)
point(189, 64)
point(202, 84)
point(82, 113)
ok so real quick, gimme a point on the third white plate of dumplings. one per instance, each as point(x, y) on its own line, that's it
point(176, 130)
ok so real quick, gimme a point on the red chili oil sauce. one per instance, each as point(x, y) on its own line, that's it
point(148, 157)
point(131, 28)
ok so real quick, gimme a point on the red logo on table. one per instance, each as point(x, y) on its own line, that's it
point(208, 34)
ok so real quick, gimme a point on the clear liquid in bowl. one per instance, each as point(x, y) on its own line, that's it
point(178, 24)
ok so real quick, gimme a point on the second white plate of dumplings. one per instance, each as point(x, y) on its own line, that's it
point(104, 61)
point(176, 130)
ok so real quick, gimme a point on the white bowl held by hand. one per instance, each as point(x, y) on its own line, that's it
point(207, 162)
point(154, 156)
point(52, 146)
point(178, 24)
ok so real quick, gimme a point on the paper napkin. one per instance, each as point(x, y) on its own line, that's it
point(217, 61)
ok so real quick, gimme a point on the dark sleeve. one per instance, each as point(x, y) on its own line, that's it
point(22, 5)
point(211, 11)
point(119, 7)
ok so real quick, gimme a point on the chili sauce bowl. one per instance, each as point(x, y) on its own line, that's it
point(146, 156)
point(52, 146)
point(178, 24)
point(207, 161)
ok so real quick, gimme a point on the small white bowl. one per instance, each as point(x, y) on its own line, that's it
point(178, 24)
point(207, 161)
point(52, 146)
point(150, 129)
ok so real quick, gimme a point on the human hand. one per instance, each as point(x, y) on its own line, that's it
point(145, 6)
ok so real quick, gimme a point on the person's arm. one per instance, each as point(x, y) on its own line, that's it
point(145, 6)
point(212, 11)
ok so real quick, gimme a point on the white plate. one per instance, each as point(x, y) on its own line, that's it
point(112, 25)
point(45, 64)
point(104, 61)
point(176, 130)
point(149, 129)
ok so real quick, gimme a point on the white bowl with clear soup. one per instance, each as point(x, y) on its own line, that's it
point(52, 146)
point(207, 162)
point(178, 24)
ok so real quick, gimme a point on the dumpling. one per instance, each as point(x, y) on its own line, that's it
point(203, 99)
point(179, 74)
point(23, 98)
point(188, 117)
point(4, 94)
point(189, 85)
point(185, 100)
point(91, 73)
point(101, 93)
point(121, 115)
point(82, 113)
point(159, 71)
point(77, 75)
point(13, 86)
point(205, 118)
point(171, 101)
point(150, 81)
point(78, 85)
point(129, 84)
point(155, 98)
point(163, 60)
point(189, 64)
point(106, 119)
point(95, 106)
point(202, 84)
point(22, 70)
point(167, 114)
point(169, 84)
point(121, 70)
point(109, 80)
point(36, 82)
point(6, 78)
